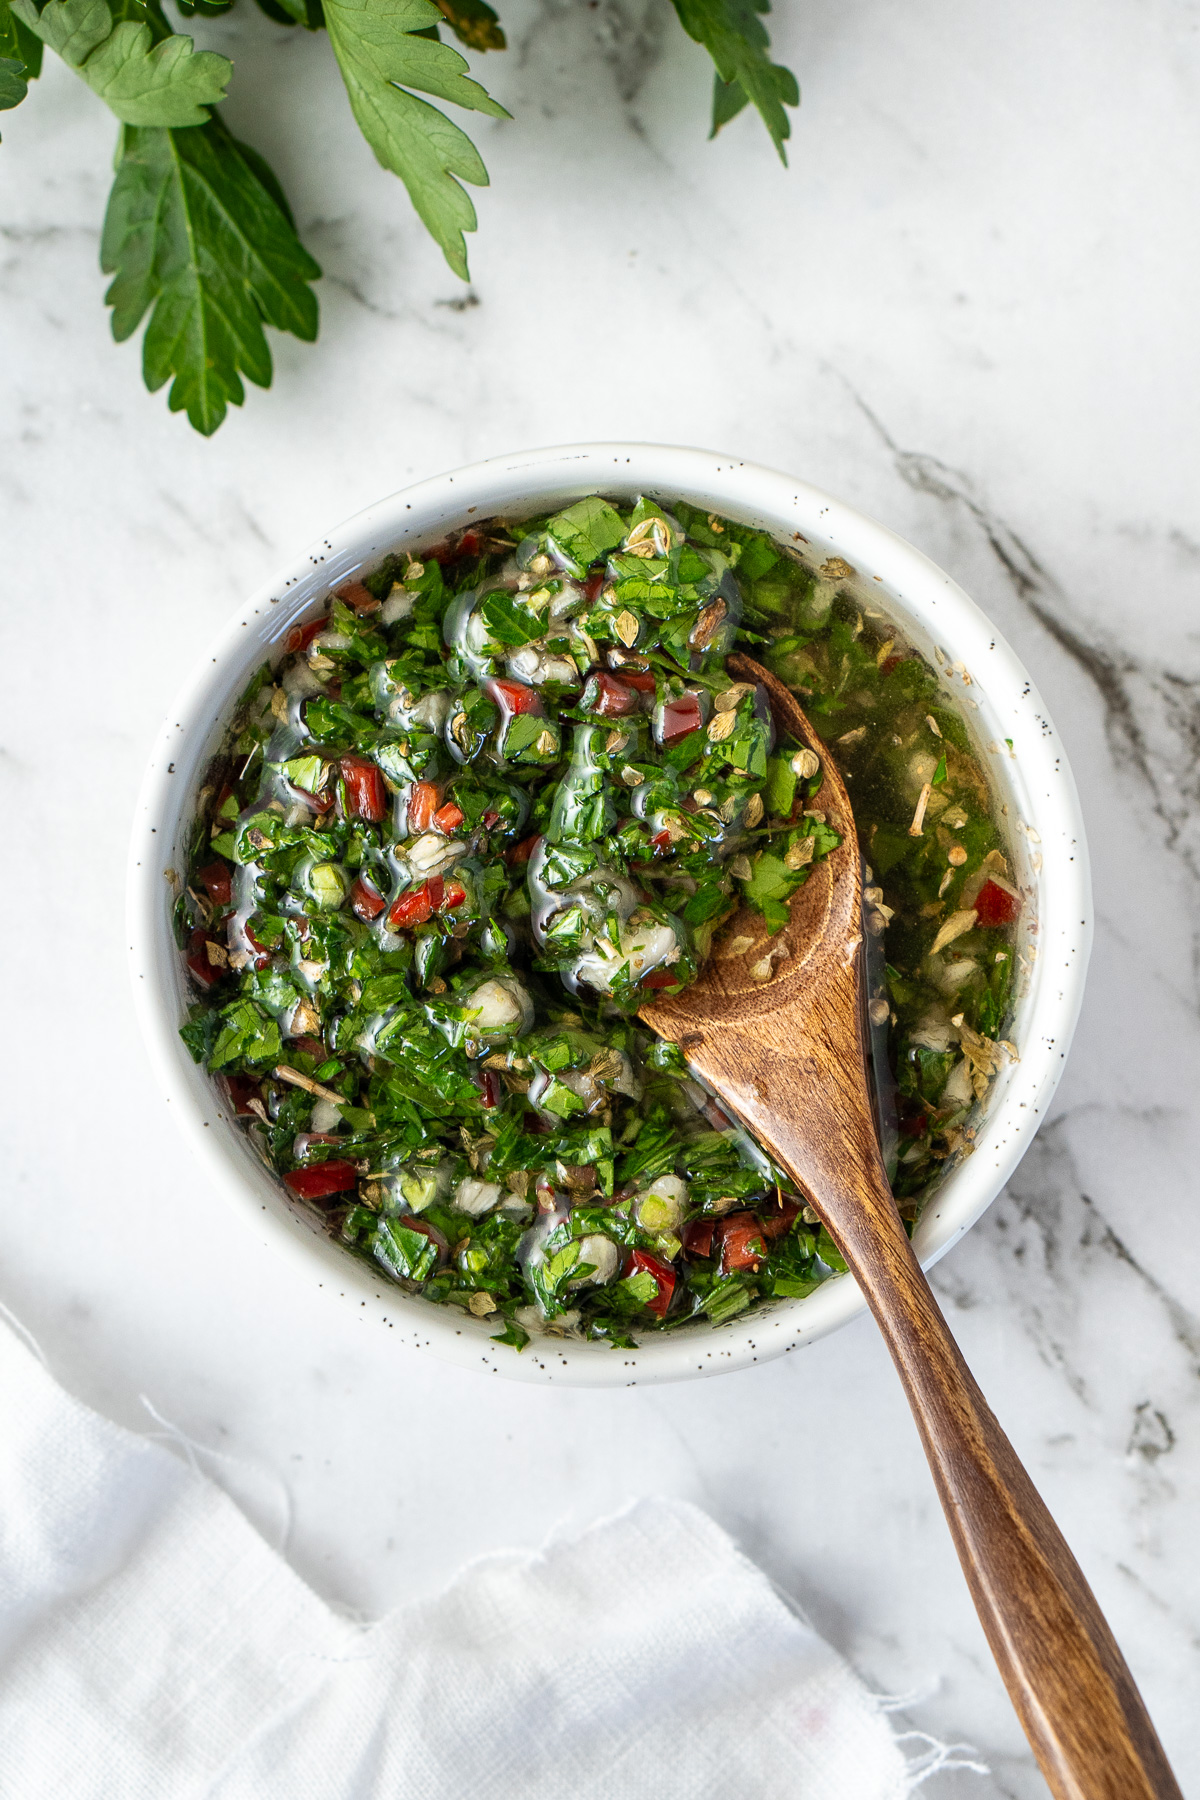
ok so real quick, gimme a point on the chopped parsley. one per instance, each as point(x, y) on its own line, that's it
point(490, 803)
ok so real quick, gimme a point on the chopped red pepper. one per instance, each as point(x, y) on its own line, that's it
point(215, 878)
point(206, 972)
point(663, 1274)
point(322, 1179)
point(681, 716)
point(241, 1091)
point(448, 818)
point(913, 1119)
point(308, 1046)
point(515, 695)
point(366, 795)
point(521, 853)
point(742, 1242)
point(493, 1092)
point(592, 586)
point(490, 818)
point(608, 697)
point(355, 595)
point(419, 904)
point(995, 905)
point(301, 636)
point(262, 954)
point(422, 804)
point(412, 908)
point(778, 1220)
point(698, 1237)
point(366, 902)
point(743, 1245)
point(644, 683)
point(889, 663)
point(661, 841)
point(660, 978)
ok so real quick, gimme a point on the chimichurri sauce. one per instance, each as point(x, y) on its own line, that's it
point(493, 798)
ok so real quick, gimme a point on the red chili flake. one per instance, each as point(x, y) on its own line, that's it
point(996, 906)
point(448, 818)
point(366, 902)
point(366, 795)
point(661, 841)
point(355, 595)
point(912, 1124)
point(889, 663)
point(663, 1274)
point(660, 978)
point(435, 887)
point(644, 683)
point(608, 697)
point(521, 853)
point(681, 716)
point(422, 804)
point(322, 1179)
point(777, 1221)
point(489, 819)
point(470, 543)
point(309, 1046)
point(592, 586)
point(301, 636)
point(492, 1089)
point(698, 1237)
point(207, 973)
point(241, 1091)
point(216, 879)
point(262, 954)
point(742, 1243)
point(454, 896)
point(515, 695)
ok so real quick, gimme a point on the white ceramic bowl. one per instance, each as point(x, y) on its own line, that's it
point(981, 675)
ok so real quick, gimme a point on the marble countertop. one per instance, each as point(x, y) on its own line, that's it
point(969, 307)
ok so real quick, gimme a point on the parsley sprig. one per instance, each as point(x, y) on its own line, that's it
point(199, 236)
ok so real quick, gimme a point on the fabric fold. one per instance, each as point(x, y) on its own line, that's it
point(152, 1644)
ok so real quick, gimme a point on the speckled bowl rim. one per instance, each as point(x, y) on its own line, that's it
point(1030, 771)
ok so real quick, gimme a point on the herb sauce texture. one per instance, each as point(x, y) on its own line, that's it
point(487, 804)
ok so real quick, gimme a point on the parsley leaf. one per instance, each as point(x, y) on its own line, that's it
point(586, 531)
point(143, 83)
point(193, 231)
point(381, 55)
point(20, 58)
point(736, 39)
point(12, 82)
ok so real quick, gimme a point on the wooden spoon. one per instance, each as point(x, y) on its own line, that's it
point(788, 1057)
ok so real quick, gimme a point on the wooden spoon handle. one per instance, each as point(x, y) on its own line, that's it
point(1066, 1677)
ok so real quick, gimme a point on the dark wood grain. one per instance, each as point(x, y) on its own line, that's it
point(789, 1059)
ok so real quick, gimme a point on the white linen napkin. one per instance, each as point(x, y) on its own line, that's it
point(151, 1644)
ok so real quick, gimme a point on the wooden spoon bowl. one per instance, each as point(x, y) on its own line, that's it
point(784, 1047)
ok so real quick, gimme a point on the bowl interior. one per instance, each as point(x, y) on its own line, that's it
point(984, 681)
